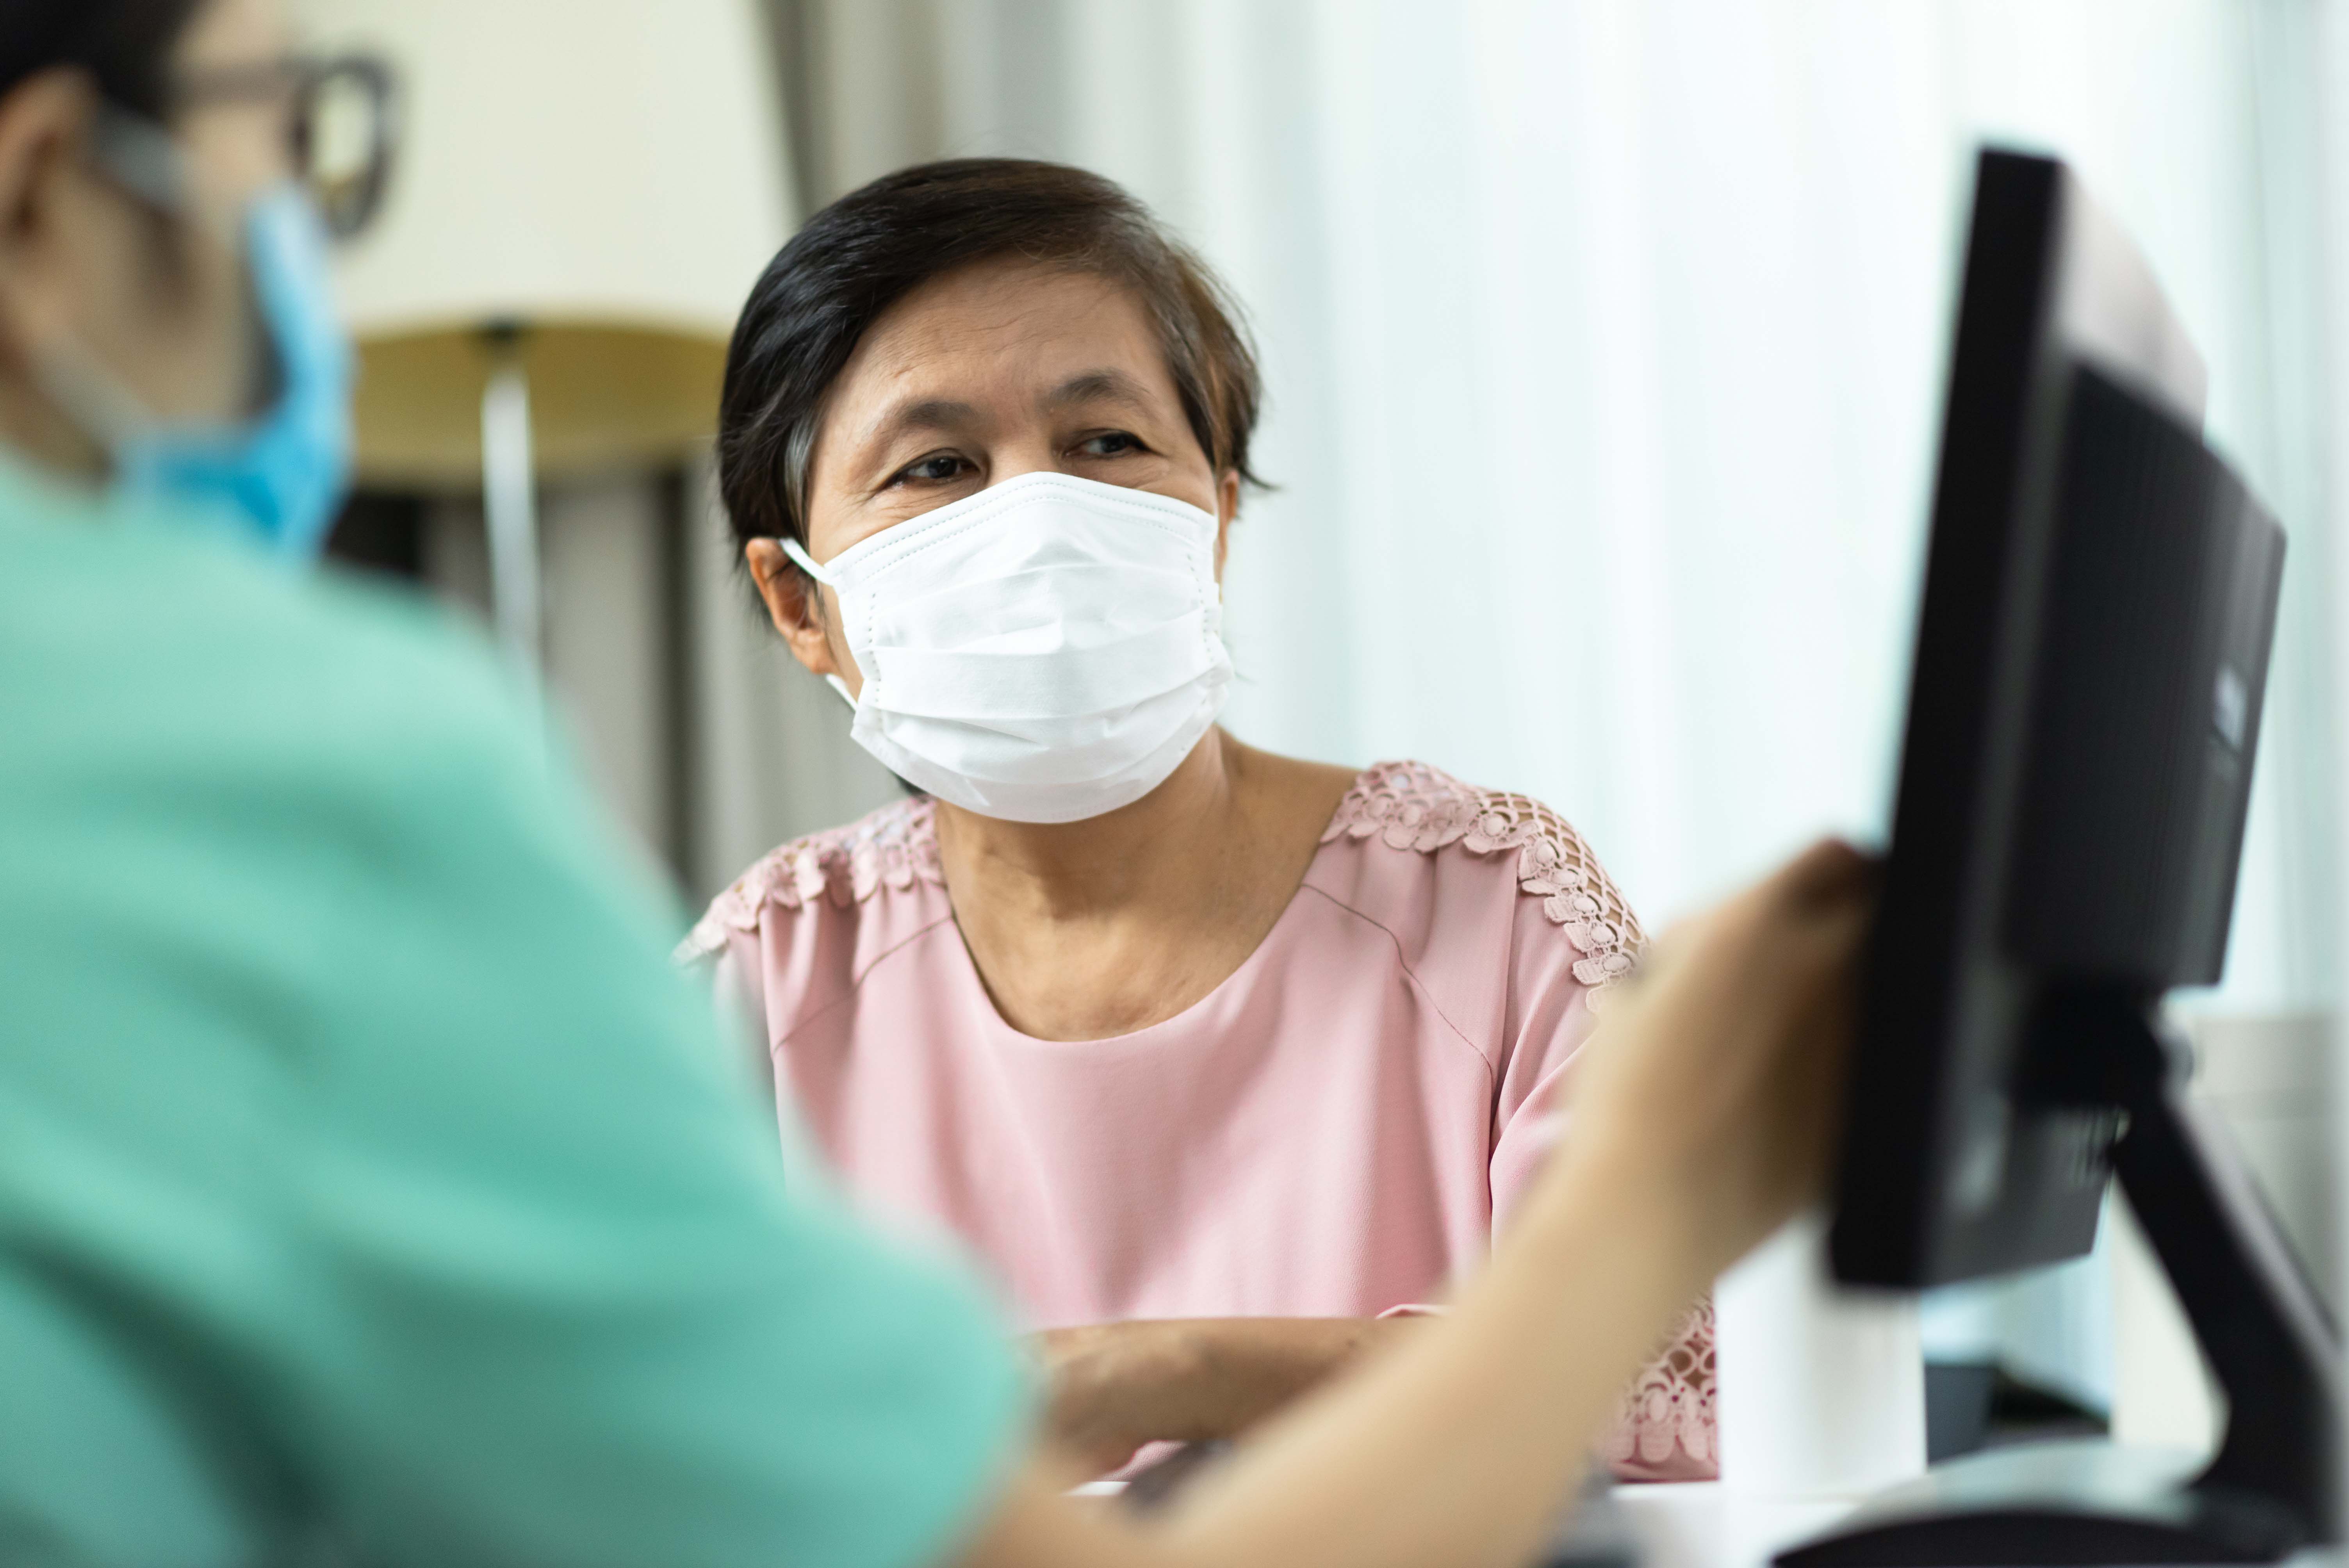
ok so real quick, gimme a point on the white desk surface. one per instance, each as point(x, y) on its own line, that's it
point(1702, 1524)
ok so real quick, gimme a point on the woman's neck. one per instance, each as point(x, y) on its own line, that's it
point(1145, 851)
point(1084, 930)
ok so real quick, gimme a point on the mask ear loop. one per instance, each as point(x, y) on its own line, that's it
point(801, 559)
point(141, 158)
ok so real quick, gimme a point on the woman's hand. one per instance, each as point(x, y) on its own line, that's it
point(1115, 1386)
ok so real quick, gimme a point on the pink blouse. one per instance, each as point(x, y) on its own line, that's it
point(1335, 1130)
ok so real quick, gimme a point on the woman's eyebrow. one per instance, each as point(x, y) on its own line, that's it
point(1105, 386)
point(923, 414)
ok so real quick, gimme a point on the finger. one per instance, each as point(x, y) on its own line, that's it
point(1830, 872)
point(1812, 918)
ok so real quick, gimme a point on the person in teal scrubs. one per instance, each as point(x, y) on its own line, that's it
point(372, 1189)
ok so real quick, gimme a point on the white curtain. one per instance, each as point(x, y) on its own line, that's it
point(1605, 344)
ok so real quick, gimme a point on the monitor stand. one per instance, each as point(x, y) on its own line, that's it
point(2274, 1486)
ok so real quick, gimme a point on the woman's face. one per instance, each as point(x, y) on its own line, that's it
point(994, 371)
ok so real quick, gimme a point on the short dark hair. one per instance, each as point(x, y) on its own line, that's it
point(126, 46)
point(859, 256)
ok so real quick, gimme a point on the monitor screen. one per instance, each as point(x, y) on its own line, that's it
point(2084, 708)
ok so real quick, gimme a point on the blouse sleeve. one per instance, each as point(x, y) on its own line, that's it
point(1666, 1428)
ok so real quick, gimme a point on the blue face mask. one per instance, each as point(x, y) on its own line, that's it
point(281, 476)
point(285, 472)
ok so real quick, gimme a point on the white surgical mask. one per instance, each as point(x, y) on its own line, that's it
point(1044, 651)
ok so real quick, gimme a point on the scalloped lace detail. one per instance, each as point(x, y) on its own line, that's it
point(896, 846)
point(1666, 1426)
point(1406, 805)
point(1410, 806)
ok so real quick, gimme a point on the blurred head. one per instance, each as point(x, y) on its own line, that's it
point(957, 325)
point(155, 299)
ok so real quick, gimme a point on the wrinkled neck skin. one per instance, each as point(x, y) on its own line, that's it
point(1086, 930)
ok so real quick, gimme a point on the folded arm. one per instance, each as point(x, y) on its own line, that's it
point(1115, 1386)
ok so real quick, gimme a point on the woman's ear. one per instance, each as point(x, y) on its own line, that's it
point(43, 278)
point(42, 121)
point(804, 623)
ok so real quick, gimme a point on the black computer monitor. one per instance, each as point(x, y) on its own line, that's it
point(2085, 705)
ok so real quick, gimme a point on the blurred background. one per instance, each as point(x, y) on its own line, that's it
point(1605, 342)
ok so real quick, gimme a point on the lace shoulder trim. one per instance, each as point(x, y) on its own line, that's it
point(1668, 1426)
point(1410, 806)
point(895, 847)
point(1406, 805)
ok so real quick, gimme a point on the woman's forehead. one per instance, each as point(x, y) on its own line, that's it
point(994, 331)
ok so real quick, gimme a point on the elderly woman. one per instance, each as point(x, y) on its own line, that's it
point(1219, 1057)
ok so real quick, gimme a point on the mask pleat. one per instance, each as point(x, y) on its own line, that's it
point(1011, 611)
point(993, 685)
point(1082, 756)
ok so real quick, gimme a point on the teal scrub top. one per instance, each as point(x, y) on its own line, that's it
point(371, 1189)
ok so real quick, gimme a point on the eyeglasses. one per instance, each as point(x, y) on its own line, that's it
point(342, 130)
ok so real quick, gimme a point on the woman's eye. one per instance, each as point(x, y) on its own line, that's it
point(1110, 444)
point(945, 466)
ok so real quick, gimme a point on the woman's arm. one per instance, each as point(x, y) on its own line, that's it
point(1115, 1386)
point(1706, 1110)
